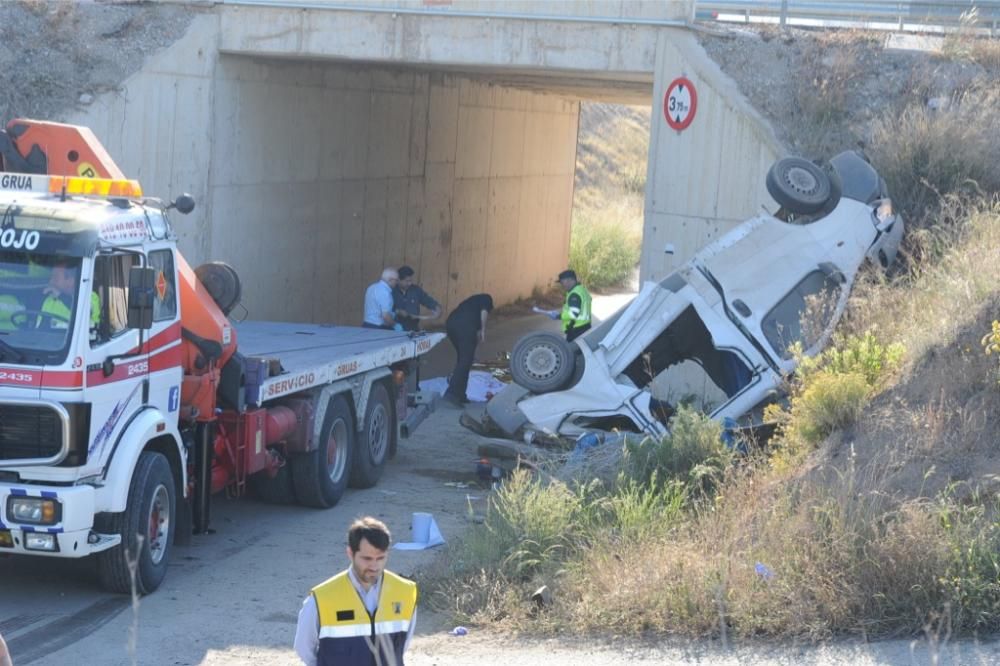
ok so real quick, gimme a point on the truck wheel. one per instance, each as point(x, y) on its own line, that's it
point(542, 362)
point(146, 528)
point(798, 185)
point(320, 476)
point(377, 438)
point(276, 490)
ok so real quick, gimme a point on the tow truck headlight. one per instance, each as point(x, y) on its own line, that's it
point(33, 510)
point(39, 541)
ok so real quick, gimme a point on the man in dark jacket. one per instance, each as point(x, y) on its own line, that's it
point(407, 299)
point(466, 327)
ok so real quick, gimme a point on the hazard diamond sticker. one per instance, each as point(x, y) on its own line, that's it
point(161, 286)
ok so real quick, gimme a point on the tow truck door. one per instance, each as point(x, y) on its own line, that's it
point(117, 368)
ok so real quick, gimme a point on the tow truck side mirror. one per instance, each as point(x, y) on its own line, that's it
point(140, 297)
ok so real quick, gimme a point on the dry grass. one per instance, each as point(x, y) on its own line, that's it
point(967, 42)
point(608, 200)
point(929, 307)
point(925, 154)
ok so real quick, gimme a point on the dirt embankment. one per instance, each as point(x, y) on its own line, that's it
point(822, 90)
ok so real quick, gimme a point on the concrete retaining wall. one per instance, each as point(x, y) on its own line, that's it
point(709, 177)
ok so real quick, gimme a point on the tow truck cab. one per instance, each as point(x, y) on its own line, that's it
point(84, 356)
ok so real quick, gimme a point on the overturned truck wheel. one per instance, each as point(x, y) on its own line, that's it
point(798, 185)
point(542, 362)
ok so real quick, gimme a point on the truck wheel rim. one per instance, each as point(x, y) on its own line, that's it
point(802, 181)
point(336, 457)
point(541, 362)
point(378, 433)
point(159, 523)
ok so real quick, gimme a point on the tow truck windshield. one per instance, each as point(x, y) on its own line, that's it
point(38, 299)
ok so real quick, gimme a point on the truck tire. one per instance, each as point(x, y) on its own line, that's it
point(376, 439)
point(273, 490)
point(542, 362)
point(798, 185)
point(149, 516)
point(320, 477)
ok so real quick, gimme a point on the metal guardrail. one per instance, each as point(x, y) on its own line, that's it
point(914, 14)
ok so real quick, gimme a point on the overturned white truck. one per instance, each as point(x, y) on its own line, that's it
point(718, 333)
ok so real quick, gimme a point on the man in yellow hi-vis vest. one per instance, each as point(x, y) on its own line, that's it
point(575, 314)
point(58, 303)
point(365, 614)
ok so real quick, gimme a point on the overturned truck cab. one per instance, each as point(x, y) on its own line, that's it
point(719, 332)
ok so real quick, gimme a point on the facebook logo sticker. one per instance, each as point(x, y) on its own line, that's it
point(175, 398)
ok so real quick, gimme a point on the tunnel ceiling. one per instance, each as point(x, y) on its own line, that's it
point(633, 88)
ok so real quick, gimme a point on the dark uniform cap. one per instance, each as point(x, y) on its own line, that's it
point(567, 275)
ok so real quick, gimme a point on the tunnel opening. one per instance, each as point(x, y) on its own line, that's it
point(337, 169)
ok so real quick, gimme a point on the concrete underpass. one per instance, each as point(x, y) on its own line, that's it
point(323, 144)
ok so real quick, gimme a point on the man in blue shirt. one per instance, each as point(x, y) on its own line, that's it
point(408, 298)
point(378, 302)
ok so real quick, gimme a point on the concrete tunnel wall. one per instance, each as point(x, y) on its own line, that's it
point(312, 176)
point(333, 172)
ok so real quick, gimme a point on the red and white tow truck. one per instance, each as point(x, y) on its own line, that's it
point(128, 397)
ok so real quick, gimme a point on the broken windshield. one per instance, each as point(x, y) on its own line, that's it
point(38, 296)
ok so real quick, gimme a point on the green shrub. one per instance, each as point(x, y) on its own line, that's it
point(538, 522)
point(692, 453)
point(829, 392)
point(864, 355)
point(603, 254)
point(830, 400)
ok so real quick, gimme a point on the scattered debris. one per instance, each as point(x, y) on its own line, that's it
point(542, 596)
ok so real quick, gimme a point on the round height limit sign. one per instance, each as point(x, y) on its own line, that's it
point(680, 103)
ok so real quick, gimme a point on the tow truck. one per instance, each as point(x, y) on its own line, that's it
point(129, 397)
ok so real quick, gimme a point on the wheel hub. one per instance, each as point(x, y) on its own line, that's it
point(541, 362)
point(335, 454)
point(801, 180)
point(159, 523)
point(378, 433)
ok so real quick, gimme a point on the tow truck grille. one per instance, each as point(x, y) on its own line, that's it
point(29, 432)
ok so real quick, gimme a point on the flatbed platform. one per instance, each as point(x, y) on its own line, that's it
point(317, 354)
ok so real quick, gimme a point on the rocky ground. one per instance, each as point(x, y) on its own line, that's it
point(56, 55)
point(821, 90)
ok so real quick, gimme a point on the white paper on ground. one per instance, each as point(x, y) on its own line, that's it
point(434, 538)
point(481, 383)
